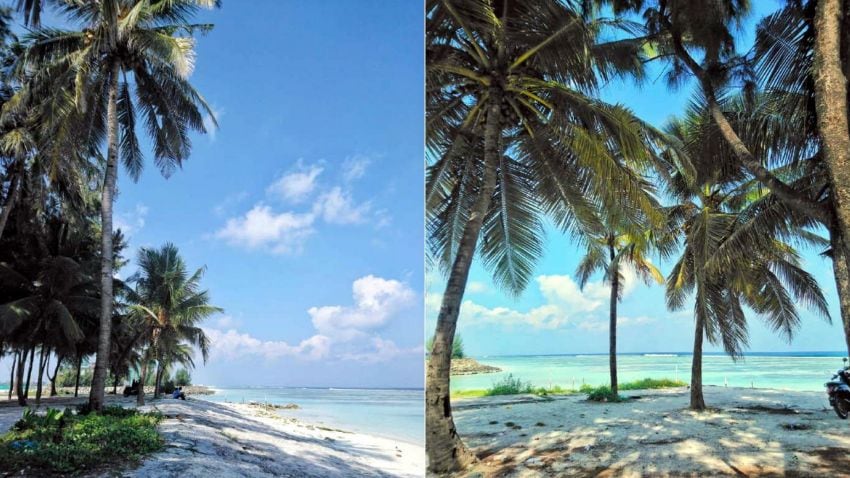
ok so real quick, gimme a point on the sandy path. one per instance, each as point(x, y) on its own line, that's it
point(215, 440)
point(749, 432)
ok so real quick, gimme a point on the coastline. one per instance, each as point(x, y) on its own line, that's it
point(205, 438)
point(752, 432)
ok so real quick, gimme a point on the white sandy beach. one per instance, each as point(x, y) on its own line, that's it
point(748, 432)
point(215, 440)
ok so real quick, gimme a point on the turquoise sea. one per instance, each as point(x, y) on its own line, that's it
point(791, 371)
point(392, 413)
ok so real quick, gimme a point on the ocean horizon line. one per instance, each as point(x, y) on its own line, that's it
point(806, 353)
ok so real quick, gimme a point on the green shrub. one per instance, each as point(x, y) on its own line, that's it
point(65, 442)
point(602, 394)
point(182, 378)
point(510, 386)
point(652, 383)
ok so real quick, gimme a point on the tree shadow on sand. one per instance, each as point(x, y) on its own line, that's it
point(758, 433)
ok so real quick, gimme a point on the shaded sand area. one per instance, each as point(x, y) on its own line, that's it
point(747, 432)
point(214, 440)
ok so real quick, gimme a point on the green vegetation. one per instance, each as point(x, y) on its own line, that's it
point(182, 378)
point(126, 65)
point(652, 383)
point(752, 170)
point(515, 386)
point(63, 442)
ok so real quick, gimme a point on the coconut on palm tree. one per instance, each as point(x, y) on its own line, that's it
point(513, 134)
point(129, 60)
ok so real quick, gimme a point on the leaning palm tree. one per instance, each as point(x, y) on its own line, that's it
point(167, 306)
point(129, 58)
point(513, 134)
point(610, 252)
point(731, 257)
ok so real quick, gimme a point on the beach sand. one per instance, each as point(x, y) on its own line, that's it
point(216, 440)
point(747, 432)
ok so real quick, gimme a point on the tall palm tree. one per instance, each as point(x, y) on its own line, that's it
point(129, 57)
point(167, 306)
point(730, 258)
point(610, 252)
point(513, 133)
point(784, 63)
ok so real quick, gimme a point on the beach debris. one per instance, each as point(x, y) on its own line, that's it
point(540, 424)
point(494, 422)
point(796, 426)
point(274, 406)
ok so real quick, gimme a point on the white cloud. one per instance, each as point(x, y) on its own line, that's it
point(566, 305)
point(376, 300)
point(229, 201)
point(296, 186)
point(337, 207)
point(226, 322)
point(355, 167)
point(476, 287)
point(382, 351)
point(233, 344)
point(342, 332)
point(281, 233)
point(131, 222)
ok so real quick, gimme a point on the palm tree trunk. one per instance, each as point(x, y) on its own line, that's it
point(52, 379)
point(697, 400)
point(834, 131)
point(77, 381)
point(160, 370)
point(41, 364)
point(11, 196)
point(19, 379)
point(115, 383)
point(13, 384)
point(106, 259)
point(612, 327)
point(143, 376)
point(446, 451)
point(29, 372)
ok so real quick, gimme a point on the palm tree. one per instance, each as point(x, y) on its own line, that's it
point(512, 134)
point(730, 258)
point(146, 41)
point(785, 66)
point(167, 306)
point(610, 252)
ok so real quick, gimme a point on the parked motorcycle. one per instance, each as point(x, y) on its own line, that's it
point(838, 390)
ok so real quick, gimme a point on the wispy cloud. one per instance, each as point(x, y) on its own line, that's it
point(266, 227)
point(131, 222)
point(565, 305)
point(296, 186)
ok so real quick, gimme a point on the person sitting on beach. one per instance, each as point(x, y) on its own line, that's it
point(178, 393)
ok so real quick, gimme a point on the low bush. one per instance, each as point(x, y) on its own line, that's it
point(652, 383)
point(510, 386)
point(69, 442)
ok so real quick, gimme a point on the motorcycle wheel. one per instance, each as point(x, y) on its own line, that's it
point(842, 408)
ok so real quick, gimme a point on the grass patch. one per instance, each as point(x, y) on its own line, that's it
point(514, 386)
point(652, 383)
point(67, 442)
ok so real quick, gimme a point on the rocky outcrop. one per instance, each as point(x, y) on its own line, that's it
point(468, 366)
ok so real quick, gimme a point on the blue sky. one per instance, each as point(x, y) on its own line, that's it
point(553, 316)
point(305, 204)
